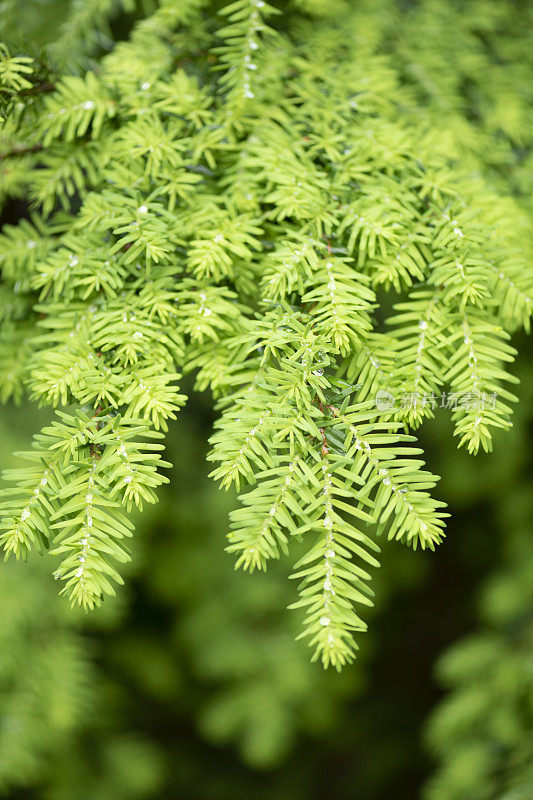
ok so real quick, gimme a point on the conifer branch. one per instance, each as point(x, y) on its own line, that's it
point(219, 197)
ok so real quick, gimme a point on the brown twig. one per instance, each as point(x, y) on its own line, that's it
point(22, 150)
point(44, 86)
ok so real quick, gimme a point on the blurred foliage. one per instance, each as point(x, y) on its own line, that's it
point(159, 690)
point(482, 732)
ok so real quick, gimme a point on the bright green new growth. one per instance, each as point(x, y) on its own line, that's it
point(246, 203)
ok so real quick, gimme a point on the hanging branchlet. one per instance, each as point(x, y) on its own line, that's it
point(239, 52)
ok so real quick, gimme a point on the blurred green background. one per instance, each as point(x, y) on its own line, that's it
point(189, 684)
